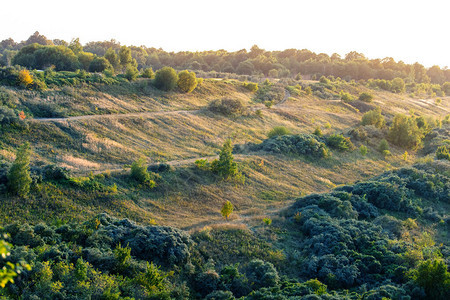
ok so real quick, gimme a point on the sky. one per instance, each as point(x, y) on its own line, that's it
point(411, 31)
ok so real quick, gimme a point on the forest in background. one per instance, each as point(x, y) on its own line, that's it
point(38, 52)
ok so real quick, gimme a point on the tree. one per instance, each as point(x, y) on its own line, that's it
point(187, 81)
point(112, 57)
point(19, 178)
point(140, 173)
point(75, 46)
point(148, 73)
point(99, 64)
point(85, 59)
point(366, 97)
point(398, 85)
point(442, 153)
point(433, 276)
point(131, 73)
point(166, 79)
point(373, 117)
point(227, 209)
point(25, 78)
point(125, 56)
point(225, 166)
point(405, 132)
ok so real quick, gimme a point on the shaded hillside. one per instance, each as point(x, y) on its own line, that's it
point(372, 239)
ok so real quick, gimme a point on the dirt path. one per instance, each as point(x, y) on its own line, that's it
point(139, 114)
point(111, 116)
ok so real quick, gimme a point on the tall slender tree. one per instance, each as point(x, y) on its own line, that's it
point(19, 179)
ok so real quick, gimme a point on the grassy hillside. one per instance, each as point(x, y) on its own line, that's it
point(366, 222)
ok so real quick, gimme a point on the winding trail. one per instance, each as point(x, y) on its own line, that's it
point(142, 114)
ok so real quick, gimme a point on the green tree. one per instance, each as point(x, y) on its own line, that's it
point(405, 132)
point(76, 46)
point(227, 209)
point(166, 79)
point(398, 85)
point(140, 173)
point(225, 166)
point(442, 152)
point(131, 73)
point(363, 150)
point(8, 270)
point(85, 59)
point(112, 57)
point(19, 179)
point(100, 64)
point(373, 117)
point(125, 56)
point(148, 73)
point(366, 97)
point(384, 146)
point(187, 81)
point(433, 276)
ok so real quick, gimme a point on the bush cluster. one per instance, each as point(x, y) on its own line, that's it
point(299, 144)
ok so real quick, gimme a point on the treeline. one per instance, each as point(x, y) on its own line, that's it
point(39, 52)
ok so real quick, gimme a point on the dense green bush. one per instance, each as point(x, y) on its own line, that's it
point(148, 73)
point(300, 144)
point(140, 173)
point(19, 179)
point(339, 142)
point(366, 97)
point(373, 117)
point(227, 106)
point(251, 86)
point(442, 152)
point(433, 276)
point(131, 73)
point(100, 64)
point(166, 79)
point(187, 81)
point(405, 132)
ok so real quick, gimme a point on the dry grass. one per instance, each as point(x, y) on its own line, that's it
point(191, 198)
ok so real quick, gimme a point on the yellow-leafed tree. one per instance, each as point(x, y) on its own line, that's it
point(25, 78)
point(227, 209)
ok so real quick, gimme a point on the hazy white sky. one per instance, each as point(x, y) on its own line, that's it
point(405, 30)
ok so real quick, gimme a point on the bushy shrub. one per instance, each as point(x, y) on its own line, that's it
point(187, 81)
point(100, 64)
point(363, 150)
point(165, 79)
point(442, 152)
point(405, 132)
point(384, 146)
point(373, 117)
point(299, 144)
point(278, 131)
point(225, 166)
point(227, 106)
point(148, 73)
point(19, 179)
point(139, 173)
point(251, 86)
point(339, 142)
point(345, 96)
point(131, 73)
point(433, 276)
point(262, 274)
point(366, 97)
